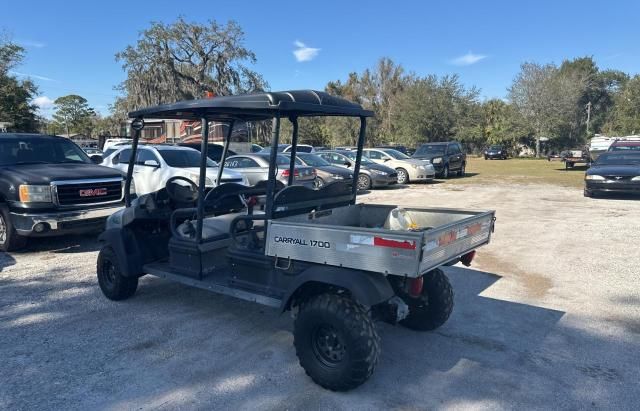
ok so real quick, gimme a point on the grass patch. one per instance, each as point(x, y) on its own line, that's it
point(521, 171)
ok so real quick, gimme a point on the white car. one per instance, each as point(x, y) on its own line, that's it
point(408, 169)
point(155, 164)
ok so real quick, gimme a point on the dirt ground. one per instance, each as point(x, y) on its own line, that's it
point(548, 317)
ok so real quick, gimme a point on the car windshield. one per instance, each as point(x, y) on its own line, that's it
point(313, 160)
point(396, 154)
point(626, 148)
point(495, 148)
point(627, 158)
point(352, 156)
point(303, 148)
point(40, 150)
point(430, 149)
point(184, 158)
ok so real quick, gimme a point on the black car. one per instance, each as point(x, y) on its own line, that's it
point(495, 151)
point(49, 186)
point(446, 157)
point(613, 172)
point(214, 151)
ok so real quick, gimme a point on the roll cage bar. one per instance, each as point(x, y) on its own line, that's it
point(250, 107)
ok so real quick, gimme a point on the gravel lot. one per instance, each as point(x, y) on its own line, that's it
point(547, 317)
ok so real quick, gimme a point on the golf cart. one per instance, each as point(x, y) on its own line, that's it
point(337, 265)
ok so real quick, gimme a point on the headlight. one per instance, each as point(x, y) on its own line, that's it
point(415, 165)
point(379, 172)
point(636, 178)
point(593, 177)
point(436, 160)
point(196, 179)
point(337, 177)
point(34, 194)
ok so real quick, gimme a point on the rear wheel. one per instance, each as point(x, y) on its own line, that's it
point(319, 182)
point(433, 307)
point(336, 342)
point(403, 176)
point(10, 240)
point(364, 182)
point(113, 284)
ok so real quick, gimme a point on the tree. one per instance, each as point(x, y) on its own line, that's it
point(626, 113)
point(73, 115)
point(182, 61)
point(15, 95)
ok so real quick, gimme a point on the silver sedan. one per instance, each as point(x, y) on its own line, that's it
point(255, 167)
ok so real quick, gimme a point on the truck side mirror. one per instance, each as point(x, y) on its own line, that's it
point(152, 163)
point(347, 163)
point(96, 159)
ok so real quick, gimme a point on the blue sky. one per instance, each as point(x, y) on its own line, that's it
point(71, 45)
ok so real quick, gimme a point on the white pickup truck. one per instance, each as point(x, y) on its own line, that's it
point(155, 164)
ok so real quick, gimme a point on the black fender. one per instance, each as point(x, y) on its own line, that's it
point(123, 243)
point(367, 288)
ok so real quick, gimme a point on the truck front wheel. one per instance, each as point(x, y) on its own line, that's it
point(336, 342)
point(10, 240)
point(433, 307)
point(113, 284)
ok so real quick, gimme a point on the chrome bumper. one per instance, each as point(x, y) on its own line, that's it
point(25, 223)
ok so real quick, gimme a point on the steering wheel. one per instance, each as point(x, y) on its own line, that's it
point(182, 190)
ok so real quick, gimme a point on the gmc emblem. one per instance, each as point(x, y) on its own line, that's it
point(93, 192)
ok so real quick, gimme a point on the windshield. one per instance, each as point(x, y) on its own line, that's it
point(619, 159)
point(396, 154)
point(40, 150)
point(430, 149)
point(184, 158)
point(625, 148)
point(352, 156)
point(495, 148)
point(313, 160)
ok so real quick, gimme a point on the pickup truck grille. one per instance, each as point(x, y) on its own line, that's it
point(79, 192)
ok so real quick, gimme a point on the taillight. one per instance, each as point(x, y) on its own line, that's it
point(286, 173)
point(468, 258)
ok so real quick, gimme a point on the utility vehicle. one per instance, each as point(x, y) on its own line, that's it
point(315, 252)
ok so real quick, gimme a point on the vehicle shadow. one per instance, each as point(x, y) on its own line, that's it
point(617, 196)
point(66, 244)
point(580, 169)
point(6, 260)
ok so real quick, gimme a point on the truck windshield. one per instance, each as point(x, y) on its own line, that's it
point(184, 158)
point(40, 150)
point(430, 149)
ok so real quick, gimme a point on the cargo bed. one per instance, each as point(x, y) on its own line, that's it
point(354, 236)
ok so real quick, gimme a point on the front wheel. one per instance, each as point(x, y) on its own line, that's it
point(445, 172)
point(336, 342)
point(463, 170)
point(433, 307)
point(113, 284)
point(319, 182)
point(403, 176)
point(364, 182)
point(10, 240)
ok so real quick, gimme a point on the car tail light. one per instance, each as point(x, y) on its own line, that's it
point(468, 258)
point(286, 173)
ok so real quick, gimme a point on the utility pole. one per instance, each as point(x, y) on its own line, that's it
point(588, 116)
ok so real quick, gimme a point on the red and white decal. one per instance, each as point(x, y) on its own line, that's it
point(382, 242)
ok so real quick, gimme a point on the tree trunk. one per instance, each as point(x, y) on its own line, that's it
point(538, 146)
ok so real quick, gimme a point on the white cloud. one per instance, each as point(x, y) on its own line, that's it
point(468, 59)
point(43, 102)
point(304, 53)
point(35, 76)
point(31, 43)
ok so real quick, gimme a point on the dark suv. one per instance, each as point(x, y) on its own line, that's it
point(49, 185)
point(446, 157)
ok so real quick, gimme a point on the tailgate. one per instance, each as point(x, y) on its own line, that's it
point(442, 244)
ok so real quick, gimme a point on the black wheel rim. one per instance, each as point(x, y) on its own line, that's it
point(3, 230)
point(108, 274)
point(328, 345)
point(363, 182)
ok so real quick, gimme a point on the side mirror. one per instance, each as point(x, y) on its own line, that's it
point(96, 159)
point(386, 159)
point(348, 163)
point(152, 163)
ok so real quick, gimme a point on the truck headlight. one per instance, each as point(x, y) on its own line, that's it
point(593, 177)
point(636, 178)
point(34, 194)
point(379, 172)
point(337, 177)
point(436, 160)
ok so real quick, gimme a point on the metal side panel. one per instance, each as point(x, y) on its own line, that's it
point(453, 240)
point(380, 251)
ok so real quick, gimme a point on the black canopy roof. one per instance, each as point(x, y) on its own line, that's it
point(257, 106)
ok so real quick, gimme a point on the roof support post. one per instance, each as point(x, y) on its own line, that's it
point(294, 148)
point(137, 125)
point(225, 150)
point(204, 144)
point(356, 169)
point(271, 184)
